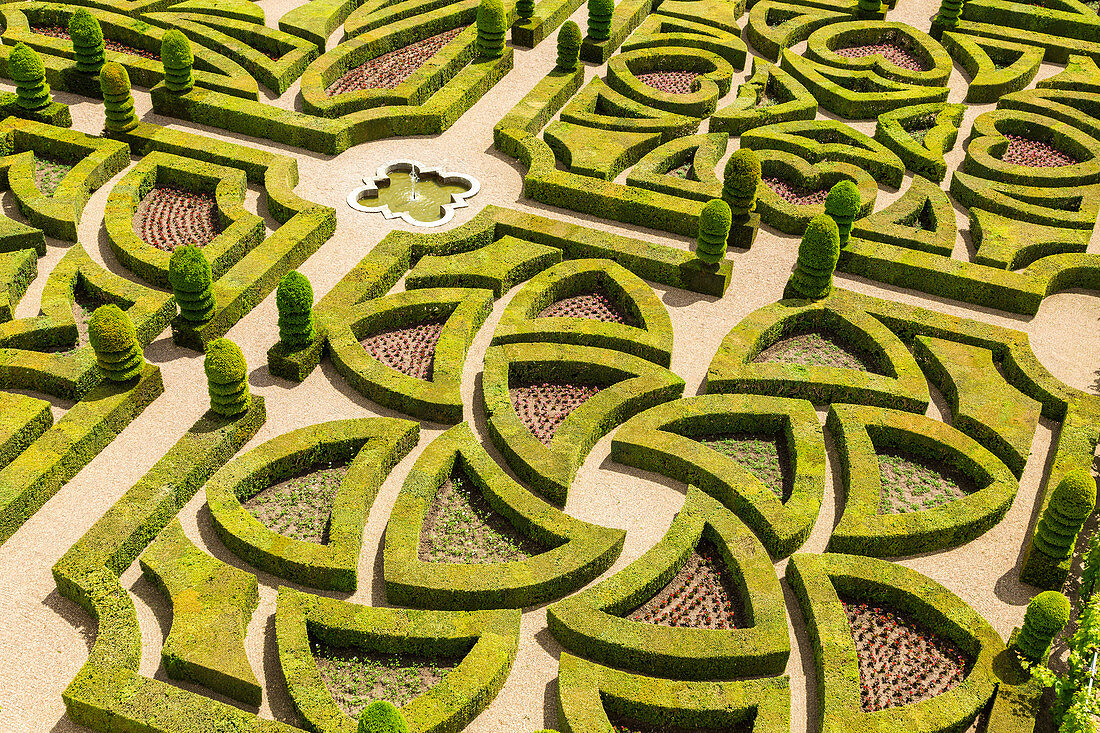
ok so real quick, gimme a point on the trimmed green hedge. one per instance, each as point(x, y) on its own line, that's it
point(773, 26)
point(702, 152)
point(823, 43)
point(793, 218)
point(792, 101)
point(497, 267)
point(939, 124)
point(922, 219)
point(995, 67)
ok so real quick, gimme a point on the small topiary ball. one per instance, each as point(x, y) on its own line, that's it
point(227, 378)
point(382, 716)
point(1075, 495)
point(569, 46)
point(741, 181)
point(177, 58)
point(599, 19)
point(842, 204)
point(88, 44)
point(714, 230)
point(1046, 615)
point(817, 257)
point(115, 344)
point(492, 23)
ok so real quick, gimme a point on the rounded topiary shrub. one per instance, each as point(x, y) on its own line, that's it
point(189, 276)
point(176, 55)
point(1071, 503)
point(29, 74)
point(1046, 615)
point(88, 45)
point(525, 8)
point(382, 716)
point(569, 46)
point(294, 299)
point(492, 24)
point(869, 8)
point(741, 181)
point(118, 102)
point(817, 257)
point(842, 204)
point(599, 19)
point(227, 378)
point(115, 343)
point(947, 18)
point(714, 230)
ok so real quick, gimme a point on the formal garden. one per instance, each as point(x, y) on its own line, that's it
point(549, 366)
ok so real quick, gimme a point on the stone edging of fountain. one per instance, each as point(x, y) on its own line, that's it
point(418, 171)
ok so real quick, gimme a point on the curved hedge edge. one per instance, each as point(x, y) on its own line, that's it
point(817, 580)
point(767, 80)
point(715, 76)
point(989, 137)
point(372, 445)
point(1008, 244)
point(587, 690)
point(924, 157)
point(23, 419)
point(18, 269)
point(822, 42)
point(702, 152)
point(651, 339)
point(316, 20)
point(796, 24)
point(593, 622)
point(1080, 75)
point(486, 641)
point(900, 383)
point(548, 17)
point(206, 642)
point(673, 27)
point(1075, 208)
point(577, 552)
point(632, 385)
point(980, 58)
point(627, 16)
point(922, 219)
point(57, 455)
point(859, 432)
point(793, 218)
point(497, 267)
point(983, 405)
point(108, 688)
point(661, 440)
point(533, 112)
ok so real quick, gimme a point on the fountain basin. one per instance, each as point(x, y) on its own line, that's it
point(419, 195)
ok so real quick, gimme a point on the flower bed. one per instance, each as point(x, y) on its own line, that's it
point(795, 194)
point(700, 596)
point(543, 407)
point(171, 217)
point(300, 506)
point(900, 661)
point(1035, 154)
point(892, 52)
point(49, 173)
point(910, 484)
point(761, 456)
point(813, 349)
point(670, 82)
point(390, 69)
point(55, 31)
point(595, 305)
point(409, 349)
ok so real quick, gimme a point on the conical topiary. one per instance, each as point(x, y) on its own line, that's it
point(714, 230)
point(294, 299)
point(29, 74)
point(599, 19)
point(227, 378)
point(492, 24)
point(1070, 505)
point(569, 46)
point(842, 204)
point(741, 181)
point(114, 82)
point(817, 256)
point(88, 45)
point(176, 55)
point(189, 276)
point(525, 8)
point(1046, 616)
point(115, 343)
point(382, 716)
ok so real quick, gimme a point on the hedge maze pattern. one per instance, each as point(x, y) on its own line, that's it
point(569, 329)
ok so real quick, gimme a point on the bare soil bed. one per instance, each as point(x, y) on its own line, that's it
point(814, 349)
point(701, 596)
point(299, 507)
point(408, 349)
point(796, 194)
point(911, 483)
point(671, 82)
point(764, 457)
point(390, 69)
point(171, 217)
point(596, 304)
point(543, 407)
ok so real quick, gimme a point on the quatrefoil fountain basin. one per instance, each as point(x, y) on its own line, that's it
point(407, 190)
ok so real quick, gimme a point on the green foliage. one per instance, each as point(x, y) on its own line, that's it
point(569, 46)
point(190, 278)
point(88, 45)
point(177, 57)
point(1072, 702)
point(842, 204)
point(227, 378)
point(741, 181)
point(1071, 503)
point(599, 19)
point(294, 299)
point(382, 716)
point(118, 102)
point(29, 74)
point(714, 230)
point(947, 17)
point(525, 8)
point(1046, 616)
point(114, 341)
point(870, 6)
point(492, 23)
point(1091, 570)
point(817, 257)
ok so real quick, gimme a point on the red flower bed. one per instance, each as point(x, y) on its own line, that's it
point(390, 69)
point(700, 596)
point(171, 217)
point(543, 407)
point(409, 349)
point(55, 31)
point(892, 52)
point(1035, 154)
point(795, 194)
point(672, 82)
point(595, 305)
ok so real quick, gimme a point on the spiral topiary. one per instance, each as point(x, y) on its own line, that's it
point(114, 82)
point(115, 343)
point(191, 281)
point(714, 230)
point(741, 181)
point(817, 257)
point(947, 18)
point(842, 204)
point(29, 74)
point(226, 378)
point(599, 19)
point(1046, 616)
point(525, 8)
point(869, 8)
point(88, 46)
point(1070, 505)
point(176, 55)
point(569, 46)
point(294, 299)
point(382, 716)
point(492, 24)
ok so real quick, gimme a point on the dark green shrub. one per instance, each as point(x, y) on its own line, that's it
point(115, 343)
point(599, 19)
point(817, 257)
point(569, 46)
point(294, 299)
point(382, 716)
point(88, 46)
point(947, 18)
point(1072, 502)
point(525, 8)
point(227, 378)
point(29, 74)
point(1046, 615)
point(869, 8)
point(492, 24)
point(176, 55)
point(842, 204)
point(189, 276)
point(114, 82)
point(714, 230)
point(741, 181)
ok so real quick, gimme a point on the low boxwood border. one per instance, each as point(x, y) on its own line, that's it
point(1010, 244)
point(980, 57)
point(925, 157)
point(767, 80)
point(823, 43)
point(904, 222)
point(792, 218)
point(701, 151)
point(988, 142)
point(496, 267)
